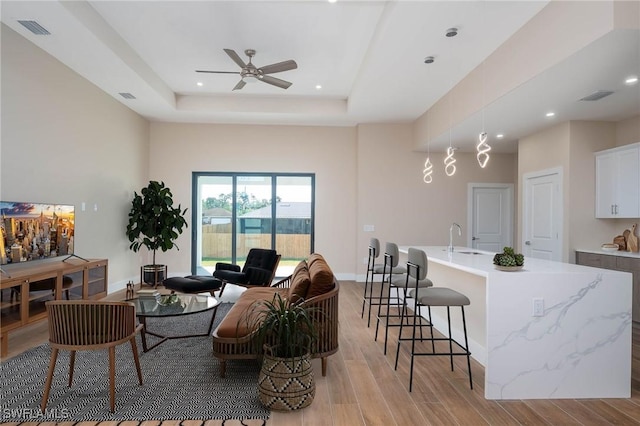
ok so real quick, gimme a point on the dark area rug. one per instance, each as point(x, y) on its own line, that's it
point(181, 381)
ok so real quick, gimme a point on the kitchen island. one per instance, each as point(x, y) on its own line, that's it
point(578, 344)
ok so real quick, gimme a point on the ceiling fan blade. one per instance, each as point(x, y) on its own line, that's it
point(240, 85)
point(234, 56)
point(219, 72)
point(279, 67)
point(275, 81)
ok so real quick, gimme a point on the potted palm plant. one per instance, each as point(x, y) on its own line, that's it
point(285, 331)
point(154, 223)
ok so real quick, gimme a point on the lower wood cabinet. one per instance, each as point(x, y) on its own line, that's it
point(24, 290)
point(618, 263)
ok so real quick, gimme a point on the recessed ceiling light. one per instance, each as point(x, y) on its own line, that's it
point(499, 136)
point(451, 32)
point(200, 84)
point(318, 87)
point(550, 114)
point(631, 80)
point(332, 1)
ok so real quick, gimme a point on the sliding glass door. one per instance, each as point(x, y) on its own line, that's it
point(234, 212)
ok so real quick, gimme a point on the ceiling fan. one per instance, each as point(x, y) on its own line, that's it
point(249, 71)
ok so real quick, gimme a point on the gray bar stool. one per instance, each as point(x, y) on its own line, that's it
point(399, 280)
point(428, 297)
point(373, 268)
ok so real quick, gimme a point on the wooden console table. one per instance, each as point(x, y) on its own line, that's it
point(24, 289)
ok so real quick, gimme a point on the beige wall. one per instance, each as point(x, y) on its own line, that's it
point(570, 146)
point(177, 150)
point(393, 197)
point(65, 141)
point(628, 131)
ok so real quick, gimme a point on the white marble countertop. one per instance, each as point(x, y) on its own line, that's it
point(549, 330)
point(482, 264)
point(611, 253)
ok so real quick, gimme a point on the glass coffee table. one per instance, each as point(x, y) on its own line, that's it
point(171, 305)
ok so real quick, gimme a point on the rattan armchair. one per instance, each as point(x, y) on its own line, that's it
point(81, 325)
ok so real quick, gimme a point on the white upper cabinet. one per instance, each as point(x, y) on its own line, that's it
point(618, 182)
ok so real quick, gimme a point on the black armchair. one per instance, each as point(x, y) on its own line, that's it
point(259, 270)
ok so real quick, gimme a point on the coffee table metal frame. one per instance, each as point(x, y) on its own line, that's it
point(163, 311)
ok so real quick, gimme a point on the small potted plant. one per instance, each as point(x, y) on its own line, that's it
point(285, 331)
point(508, 260)
point(155, 224)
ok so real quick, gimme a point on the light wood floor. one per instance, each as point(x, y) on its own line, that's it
point(362, 388)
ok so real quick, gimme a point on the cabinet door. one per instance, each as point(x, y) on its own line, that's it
point(606, 176)
point(41, 289)
point(96, 280)
point(632, 265)
point(618, 183)
point(596, 260)
point(628, 188)
point(11, 304)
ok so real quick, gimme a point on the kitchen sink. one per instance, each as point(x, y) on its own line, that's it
point(465, 252)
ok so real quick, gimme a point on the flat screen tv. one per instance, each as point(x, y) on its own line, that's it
point(35, 231)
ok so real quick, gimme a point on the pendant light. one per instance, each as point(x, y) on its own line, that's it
point(483, 147)
point(450, 161)
point(427, 172)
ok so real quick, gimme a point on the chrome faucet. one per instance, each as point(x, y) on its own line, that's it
point(450, 248)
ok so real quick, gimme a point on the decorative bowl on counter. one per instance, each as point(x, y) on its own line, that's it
point(508, 268)
point(610, 247)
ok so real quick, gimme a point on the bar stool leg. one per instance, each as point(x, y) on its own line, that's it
point(466, 345)
point(450, 337)
point(364, 297)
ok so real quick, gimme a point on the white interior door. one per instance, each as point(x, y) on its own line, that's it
point(491, 216)
point(542, 215)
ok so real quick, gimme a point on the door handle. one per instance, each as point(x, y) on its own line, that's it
point(474, 238)
point(528, 243)
point(612, 210)
point(616, 208)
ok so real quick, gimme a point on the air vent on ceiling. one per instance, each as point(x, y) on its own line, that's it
point(597, 95)
point(127, 95)
point(34, 27)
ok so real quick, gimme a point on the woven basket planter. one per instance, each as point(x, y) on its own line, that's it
point(286, 384)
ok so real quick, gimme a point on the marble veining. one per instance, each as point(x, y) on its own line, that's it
point(580, 347)
point(574, 332)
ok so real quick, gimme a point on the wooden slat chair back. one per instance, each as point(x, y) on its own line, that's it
point(90, 325)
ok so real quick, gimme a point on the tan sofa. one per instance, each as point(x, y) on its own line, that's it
point(314, 282)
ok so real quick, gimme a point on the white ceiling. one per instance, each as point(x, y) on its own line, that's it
point(367, 55)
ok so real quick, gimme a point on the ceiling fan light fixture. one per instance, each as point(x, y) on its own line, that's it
point(262, 74)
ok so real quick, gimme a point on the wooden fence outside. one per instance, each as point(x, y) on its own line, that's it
point(216, 243)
